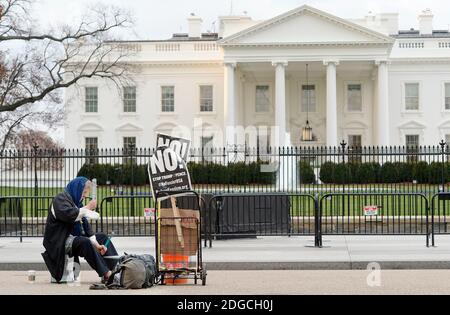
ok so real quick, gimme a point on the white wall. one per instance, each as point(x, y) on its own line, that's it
point(429, 122)
point(111, 124)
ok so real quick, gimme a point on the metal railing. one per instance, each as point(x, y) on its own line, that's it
point(127, 215)
point(306, 175)
point(252, 215)
point(23, 216)
point(440, 215)
point(397, 214)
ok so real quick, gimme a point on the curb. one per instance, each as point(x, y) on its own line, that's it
point(344, 265)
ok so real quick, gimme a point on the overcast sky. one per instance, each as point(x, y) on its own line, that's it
point(158, 19)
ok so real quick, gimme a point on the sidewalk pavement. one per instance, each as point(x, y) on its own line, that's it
point(271, 253)
point(259, 284)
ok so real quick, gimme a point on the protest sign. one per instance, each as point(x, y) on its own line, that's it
point(168, 172)
point(179, 145)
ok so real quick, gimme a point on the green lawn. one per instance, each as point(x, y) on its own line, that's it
point(300, 205)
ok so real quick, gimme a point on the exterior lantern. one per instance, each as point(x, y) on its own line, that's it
point(307, 132)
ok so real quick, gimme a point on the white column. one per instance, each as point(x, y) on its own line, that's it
point(230, 103)
point(383, 103)
point(280, 101)
point(332, 129)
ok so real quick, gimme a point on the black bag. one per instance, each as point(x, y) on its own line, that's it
point(133, 272)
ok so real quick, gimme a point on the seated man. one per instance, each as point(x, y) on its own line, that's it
point(67, 232)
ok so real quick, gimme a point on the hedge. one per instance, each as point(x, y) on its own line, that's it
point(116, 174)
point(306, 173)
point(201, 173)
point(389, 172)
point(233, 173)
point(243, 174)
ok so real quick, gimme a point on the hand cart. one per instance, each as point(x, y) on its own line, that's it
point(178, 237)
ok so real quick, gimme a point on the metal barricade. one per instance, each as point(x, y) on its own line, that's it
point(252, 215)
point(374, 214)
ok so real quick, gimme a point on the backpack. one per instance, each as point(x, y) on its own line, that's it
point(133, 272)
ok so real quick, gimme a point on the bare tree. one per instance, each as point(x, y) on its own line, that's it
point(36, 65)
point(27, 119)
point(33, 150)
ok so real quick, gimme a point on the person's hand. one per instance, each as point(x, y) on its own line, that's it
point(92, 205)
point(102, 249)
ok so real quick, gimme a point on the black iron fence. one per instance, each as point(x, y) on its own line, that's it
point(311, 170)
point(245, 191)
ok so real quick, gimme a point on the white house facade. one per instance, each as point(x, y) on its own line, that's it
point(258, 83)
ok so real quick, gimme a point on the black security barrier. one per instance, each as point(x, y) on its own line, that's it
point(251, 215)
point(440, 215)
point(127, 216)
point(395, 214)
point(23, 216)
point(134, 215)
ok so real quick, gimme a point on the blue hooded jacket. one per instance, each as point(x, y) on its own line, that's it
point(75, 190)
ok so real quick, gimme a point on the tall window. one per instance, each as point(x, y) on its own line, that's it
point(129, 99)
point(309, 97)
point(354, 97)
point(262, 103)
point(355, 148)
point(447, 96)
point(129, 146)
point(412, 96)
point(91, 146)
point(412, 147)
point(206, 98)
point(168, 99)
point(207, 142)
point(91, 99)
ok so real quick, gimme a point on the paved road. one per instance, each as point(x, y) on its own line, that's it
point(257, 283)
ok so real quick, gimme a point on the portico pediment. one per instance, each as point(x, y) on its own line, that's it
point(412, 125)
point(356, 125)
point(445, 125)
point(129, 128)
point(306, 26)
point(90, 127)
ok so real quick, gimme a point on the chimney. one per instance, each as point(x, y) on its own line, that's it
point(426, 22)
point(195, 26)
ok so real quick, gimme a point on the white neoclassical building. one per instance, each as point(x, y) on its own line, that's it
point(362, 81)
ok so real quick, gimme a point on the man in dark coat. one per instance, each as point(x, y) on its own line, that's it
point(68, 232)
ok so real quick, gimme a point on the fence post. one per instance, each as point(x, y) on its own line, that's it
point(318, 223)
point(20, 214)
point(343, 145)
point(442, 144)
point(132, 153)
point(36, 185)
